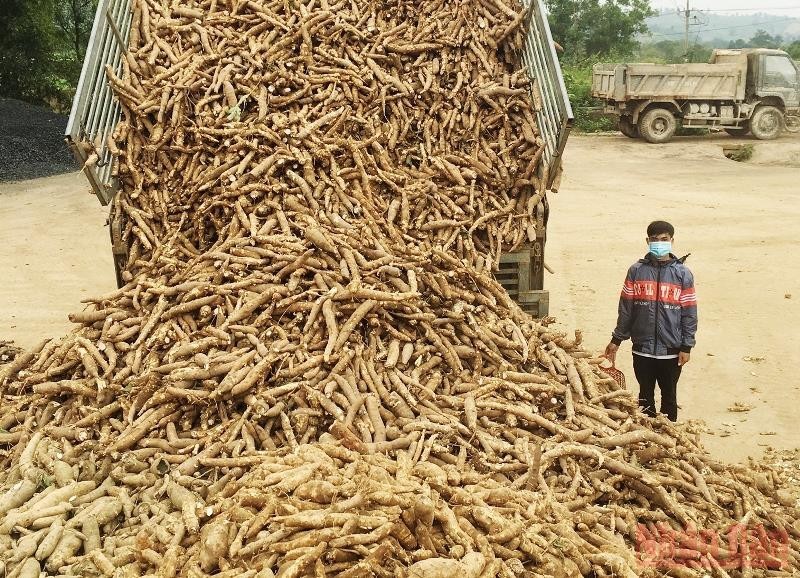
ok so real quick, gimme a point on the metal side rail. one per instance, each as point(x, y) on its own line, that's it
point(95, 111)
point(555, 116)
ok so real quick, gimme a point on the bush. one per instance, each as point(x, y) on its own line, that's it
point(588, 117)
point(41, 49)
point(741, 153)
point(26, 42)
point(592, 121)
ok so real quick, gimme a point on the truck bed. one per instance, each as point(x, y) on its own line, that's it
point(95, 111)
point(622, 82)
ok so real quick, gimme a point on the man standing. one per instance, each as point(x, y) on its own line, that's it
point(658, 312)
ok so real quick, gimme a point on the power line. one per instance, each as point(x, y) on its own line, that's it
point(687, 16)
point(758, 9)
point(754, 9)
point(705, 11)
point(728, 27)
point(749, 25)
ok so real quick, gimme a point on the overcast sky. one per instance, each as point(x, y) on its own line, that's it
point(781, 7)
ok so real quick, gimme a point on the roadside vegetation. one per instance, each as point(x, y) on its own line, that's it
point(740, 153)
point(42, 44)
point(592, 31)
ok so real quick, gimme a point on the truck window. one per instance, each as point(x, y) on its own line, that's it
point(780, 71)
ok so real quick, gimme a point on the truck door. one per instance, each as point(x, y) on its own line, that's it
point(781, 78)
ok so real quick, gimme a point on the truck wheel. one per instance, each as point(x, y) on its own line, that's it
point(627, 127)
point(658, 125)
point(767, 123)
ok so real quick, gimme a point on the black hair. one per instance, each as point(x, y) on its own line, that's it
point(659, 228)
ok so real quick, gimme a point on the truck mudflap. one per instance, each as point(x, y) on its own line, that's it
point(793, 122)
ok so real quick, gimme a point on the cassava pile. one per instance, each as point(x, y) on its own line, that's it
point(310, 370)
point(8, 351)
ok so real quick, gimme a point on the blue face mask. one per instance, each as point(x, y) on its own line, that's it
point(661, 248)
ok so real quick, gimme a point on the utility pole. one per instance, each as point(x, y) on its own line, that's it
point(686, 15)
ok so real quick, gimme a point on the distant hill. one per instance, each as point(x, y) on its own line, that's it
point(720, 29)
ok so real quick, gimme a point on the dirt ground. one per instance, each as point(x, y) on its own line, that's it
point(54, 251)
point(741, 222)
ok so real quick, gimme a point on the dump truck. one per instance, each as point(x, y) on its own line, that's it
point(95, 112)
point(747, 91)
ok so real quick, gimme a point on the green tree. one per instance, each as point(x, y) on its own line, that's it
point(700, 53)
point(588, 28)
point(27, 41)
point(663, 50)
point(42, 45)
point(672, 51)
point(763, 39)
point(74, 19)
point(794, 50)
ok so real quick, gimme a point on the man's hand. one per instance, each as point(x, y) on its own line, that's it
point(684, 358)
point(611, 352)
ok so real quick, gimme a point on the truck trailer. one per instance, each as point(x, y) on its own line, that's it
point(95, 113)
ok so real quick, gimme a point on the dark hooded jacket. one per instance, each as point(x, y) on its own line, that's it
point(658, 308)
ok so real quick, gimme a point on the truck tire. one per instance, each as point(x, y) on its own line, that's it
point(627, 127)
point(767, 123)
point(658, 125)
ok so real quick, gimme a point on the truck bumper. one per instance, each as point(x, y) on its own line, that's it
point(615, 110)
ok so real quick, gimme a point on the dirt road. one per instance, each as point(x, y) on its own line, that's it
point(739, 221)
point(54, 251)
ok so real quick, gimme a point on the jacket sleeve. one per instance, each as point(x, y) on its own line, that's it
point(625, 313)
point(688, 313)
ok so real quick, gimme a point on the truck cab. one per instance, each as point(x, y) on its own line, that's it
point(772, 76)
point(776, 76)
point(772, 88)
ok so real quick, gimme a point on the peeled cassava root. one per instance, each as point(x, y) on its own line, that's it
point(310, 369)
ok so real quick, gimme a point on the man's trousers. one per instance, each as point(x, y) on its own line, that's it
point(666, 373)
